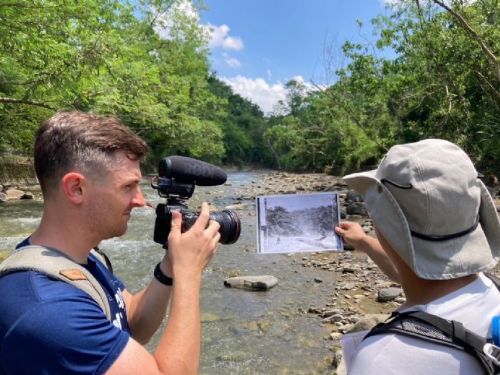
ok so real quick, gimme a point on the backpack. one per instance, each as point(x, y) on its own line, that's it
point(432, 328)
point(58, 266)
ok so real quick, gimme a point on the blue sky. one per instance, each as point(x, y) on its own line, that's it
point(258, 45)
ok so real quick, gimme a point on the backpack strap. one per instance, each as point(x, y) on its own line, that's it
point(102, 257)
point(58, 266)
point(425, 326)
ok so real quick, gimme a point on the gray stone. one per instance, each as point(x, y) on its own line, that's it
point(368, 322)
point(348, 285)
point(3, 197)
point(263, 282)
point(14, 194)
point(336, 336)
point(389, 294)
point(348, 268)
point(329, 313)
point(356, 208)
point(333, 318)
point(352, 196)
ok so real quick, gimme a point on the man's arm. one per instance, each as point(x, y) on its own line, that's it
point(147, 309)
point(354, 235)
point(178, 351)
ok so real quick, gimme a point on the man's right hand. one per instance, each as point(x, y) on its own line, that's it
point(191, 251)
point(352, 233)
point(178, 351)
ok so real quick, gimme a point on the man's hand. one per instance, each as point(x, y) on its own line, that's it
point(190, 252)
point(352, 233)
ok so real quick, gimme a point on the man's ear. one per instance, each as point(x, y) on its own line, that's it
point(72, 186)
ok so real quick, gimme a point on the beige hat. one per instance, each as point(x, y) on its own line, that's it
point(427, 201)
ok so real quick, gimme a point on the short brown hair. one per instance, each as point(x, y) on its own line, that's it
point(78, 140)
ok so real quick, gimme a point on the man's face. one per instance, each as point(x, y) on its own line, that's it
point(113, 197)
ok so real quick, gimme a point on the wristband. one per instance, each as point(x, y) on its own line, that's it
point(161, 277)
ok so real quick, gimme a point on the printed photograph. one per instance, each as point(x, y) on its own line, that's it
point(294, 223)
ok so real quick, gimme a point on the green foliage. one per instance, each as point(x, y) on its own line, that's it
point(444, 83)
point(243, 126)
point(107, 56)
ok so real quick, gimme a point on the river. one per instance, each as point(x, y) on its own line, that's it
point(243, 332)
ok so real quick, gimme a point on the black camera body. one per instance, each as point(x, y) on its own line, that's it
point(176, 180)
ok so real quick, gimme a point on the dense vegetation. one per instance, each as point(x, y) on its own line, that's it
point(107, 56)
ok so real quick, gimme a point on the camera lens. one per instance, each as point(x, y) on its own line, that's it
point(228, 220)
point(229, 225)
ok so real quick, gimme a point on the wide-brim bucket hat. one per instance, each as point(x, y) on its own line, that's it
point(427, 201)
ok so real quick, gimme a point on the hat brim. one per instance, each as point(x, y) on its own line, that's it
point(475, 252)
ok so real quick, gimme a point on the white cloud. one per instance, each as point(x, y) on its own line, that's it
point(165, 22)
point(308, 86)
point(265, 95)
point(232, 62)
point(258, 91)
point(220, 38)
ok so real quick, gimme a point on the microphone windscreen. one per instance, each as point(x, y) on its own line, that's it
point(187, 169)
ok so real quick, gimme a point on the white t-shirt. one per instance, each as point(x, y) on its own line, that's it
point(474, 305)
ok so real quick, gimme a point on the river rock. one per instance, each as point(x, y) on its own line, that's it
point(14, 194)
point(356, 208)
point(3, 197)
point(352, 196)
point(389, 294)
point(368, 322)
point(238, 207)
point(263, 282)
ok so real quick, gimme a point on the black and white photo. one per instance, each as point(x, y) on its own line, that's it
point(292, 223)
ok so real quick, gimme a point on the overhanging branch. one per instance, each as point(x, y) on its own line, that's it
point(25, 101)
point(461, 20)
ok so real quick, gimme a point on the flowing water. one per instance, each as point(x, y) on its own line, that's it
point(243, 332)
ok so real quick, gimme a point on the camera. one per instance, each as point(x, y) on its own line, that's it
point(176, 181)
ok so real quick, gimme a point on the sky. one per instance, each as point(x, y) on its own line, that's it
point(257, 46)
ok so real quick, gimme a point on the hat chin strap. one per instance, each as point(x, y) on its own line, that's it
point(446, 237)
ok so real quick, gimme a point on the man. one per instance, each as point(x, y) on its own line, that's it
point(437, 231)
point(88, 169)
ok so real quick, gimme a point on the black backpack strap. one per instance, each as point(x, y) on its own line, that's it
point(408, 324)
point(425, 326)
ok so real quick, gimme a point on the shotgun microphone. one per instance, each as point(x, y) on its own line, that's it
point(176, 180)
point(182, 168)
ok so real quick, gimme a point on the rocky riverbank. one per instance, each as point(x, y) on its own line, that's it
point(363, 295)
point(17, 178)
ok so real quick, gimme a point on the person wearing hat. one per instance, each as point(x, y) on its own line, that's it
point(437, 232)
